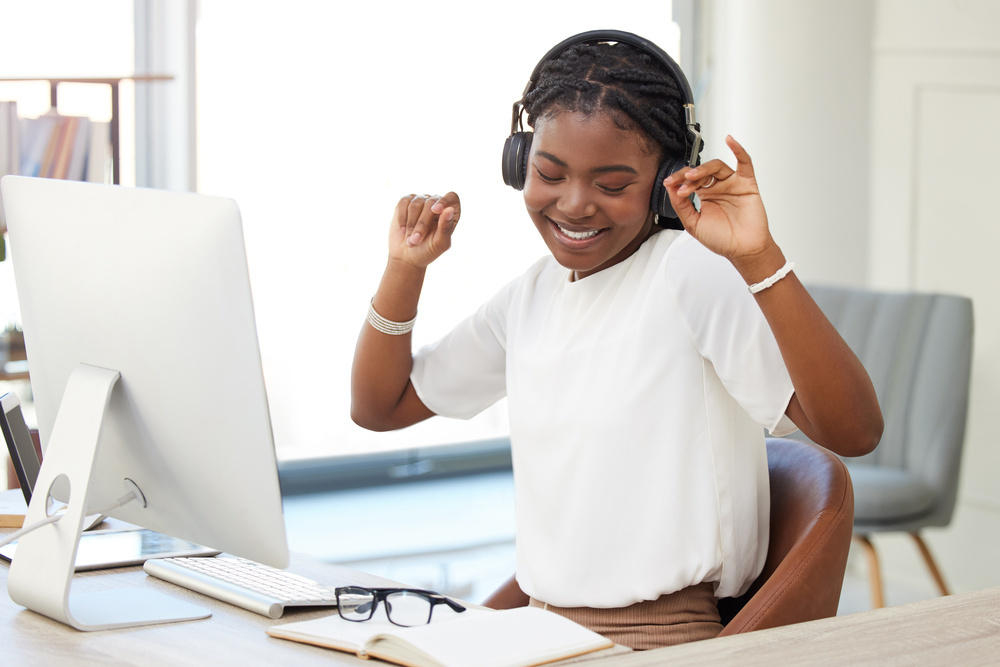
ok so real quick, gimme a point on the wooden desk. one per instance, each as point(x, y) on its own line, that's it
point(956, 630)
point(231, 636)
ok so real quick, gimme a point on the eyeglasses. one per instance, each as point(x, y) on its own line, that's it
point(403, 606)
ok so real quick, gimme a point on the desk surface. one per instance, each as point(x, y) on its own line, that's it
point(231, 636)
point(958, 630)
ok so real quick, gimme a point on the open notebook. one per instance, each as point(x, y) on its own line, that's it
point(477, 638)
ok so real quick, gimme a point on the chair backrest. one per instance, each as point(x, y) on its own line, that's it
point(812, 516)
point(917, 349)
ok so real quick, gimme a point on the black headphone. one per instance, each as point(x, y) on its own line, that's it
point(518, 144)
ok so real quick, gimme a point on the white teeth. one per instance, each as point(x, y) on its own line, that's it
point(578, 235)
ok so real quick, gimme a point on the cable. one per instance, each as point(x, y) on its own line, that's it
point(124, 500)
point(33, 527)
point(58, 514)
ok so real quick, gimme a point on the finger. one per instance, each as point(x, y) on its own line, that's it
point(705, 176)
point(449, 200)
point(679, 194)
point(744, 166)
point(416, 223)
point(449, 219)
point(399, 219)
point(440, 236)
point(677, 178)
point(401, 207)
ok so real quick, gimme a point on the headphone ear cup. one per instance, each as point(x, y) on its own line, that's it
point(515, 159)
point(660, 201)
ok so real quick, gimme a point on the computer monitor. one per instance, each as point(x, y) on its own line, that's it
point(146, 375)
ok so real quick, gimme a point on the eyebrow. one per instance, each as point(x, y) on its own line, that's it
point(599, 170)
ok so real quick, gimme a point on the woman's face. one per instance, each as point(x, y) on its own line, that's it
point(588, 188)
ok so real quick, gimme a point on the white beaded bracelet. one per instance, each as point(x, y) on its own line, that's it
point(767, 282)
point(379, 323)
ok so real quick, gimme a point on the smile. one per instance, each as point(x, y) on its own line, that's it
point(579, 236)
point(575, 239)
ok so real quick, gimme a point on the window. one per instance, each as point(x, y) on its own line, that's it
point(316, 118)
point(68, 38)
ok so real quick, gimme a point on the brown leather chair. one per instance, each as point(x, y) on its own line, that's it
point(812, 518)
point(812, 514)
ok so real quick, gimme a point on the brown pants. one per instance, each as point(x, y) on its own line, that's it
point(688, 615)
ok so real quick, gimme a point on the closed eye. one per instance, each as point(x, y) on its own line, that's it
point(545, 177)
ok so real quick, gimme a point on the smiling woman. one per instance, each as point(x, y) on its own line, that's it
point(632, 357)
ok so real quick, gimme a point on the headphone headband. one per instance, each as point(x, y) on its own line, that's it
point(641, 43)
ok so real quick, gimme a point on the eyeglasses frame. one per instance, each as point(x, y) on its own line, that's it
point(382, 594)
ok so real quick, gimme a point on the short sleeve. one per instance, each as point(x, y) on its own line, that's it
point(464, 372)
point(730, 331)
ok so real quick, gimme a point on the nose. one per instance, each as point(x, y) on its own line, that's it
point(575, 201)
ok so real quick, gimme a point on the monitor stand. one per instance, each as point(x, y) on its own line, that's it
point(42, 571)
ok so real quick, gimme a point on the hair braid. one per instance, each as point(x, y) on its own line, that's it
point(638, 91)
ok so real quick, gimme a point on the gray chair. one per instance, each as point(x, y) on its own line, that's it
point(917, 349)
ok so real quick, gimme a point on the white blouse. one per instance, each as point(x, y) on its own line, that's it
point(638, 398)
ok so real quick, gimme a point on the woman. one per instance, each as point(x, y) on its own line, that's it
point(640, 370)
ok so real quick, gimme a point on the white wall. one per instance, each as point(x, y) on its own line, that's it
point(872, 128)
point(790, 80)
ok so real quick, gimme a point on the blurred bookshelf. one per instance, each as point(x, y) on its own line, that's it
point(56, 146)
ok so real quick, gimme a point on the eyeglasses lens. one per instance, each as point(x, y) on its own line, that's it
point(355, 604)
point(408, 608)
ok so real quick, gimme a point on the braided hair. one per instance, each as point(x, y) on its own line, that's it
point(636, 90)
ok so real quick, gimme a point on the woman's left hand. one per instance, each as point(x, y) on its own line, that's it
point(834, 401)
point(732, 221)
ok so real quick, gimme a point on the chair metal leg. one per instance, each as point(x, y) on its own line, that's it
point(931, 564)
point(874, 573)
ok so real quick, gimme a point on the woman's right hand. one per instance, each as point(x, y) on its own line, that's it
point(422, 227)
point(382, 397)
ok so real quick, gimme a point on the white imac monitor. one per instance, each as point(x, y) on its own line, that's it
point(146, 375)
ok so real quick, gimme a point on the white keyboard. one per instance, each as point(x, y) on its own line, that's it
point(258, 588)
